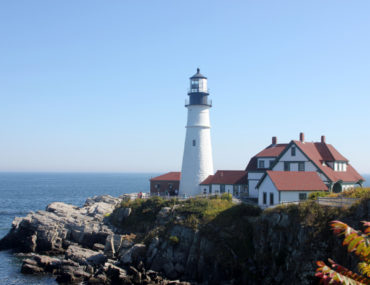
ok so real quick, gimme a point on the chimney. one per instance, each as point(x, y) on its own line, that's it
point(323, 140)
point(301, 137)
point(274, 140)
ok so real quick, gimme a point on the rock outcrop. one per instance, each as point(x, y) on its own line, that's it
point(237, 247)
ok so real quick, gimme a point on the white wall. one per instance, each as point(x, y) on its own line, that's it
point(253, 178)
point(197, 163)
point(292, 196)
point(229, 189)
point(255, 175)
point(215, 188)
point(253, 192)
point(267, 187)
point(204, 187)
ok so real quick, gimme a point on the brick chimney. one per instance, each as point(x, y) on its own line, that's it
point(323, 140)
point(274, 140)
point(301, 137)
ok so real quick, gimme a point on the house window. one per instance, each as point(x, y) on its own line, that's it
point(170, 186)
point(300, 166)
point(158, 186)
point(292, 151)
point(222, 188)
point(205, 191)
point(193, 142)
point(271, 198)
point(261, 164)
point(264, 198)
point(286, 166)
point(302, 196)
point(271, 163)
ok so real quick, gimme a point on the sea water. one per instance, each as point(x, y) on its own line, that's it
point(24, 192)
point(21, 193)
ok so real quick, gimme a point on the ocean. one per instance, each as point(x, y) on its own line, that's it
point(24, 192)
point(21, 193)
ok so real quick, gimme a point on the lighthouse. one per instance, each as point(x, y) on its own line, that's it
point(197, 162)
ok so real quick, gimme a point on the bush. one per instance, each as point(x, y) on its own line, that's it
point(227, 196)
point(315, 195)
point(174, 240)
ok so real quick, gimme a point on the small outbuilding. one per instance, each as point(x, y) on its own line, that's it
point(277, 187)
point(225, 181)
point(166, 184)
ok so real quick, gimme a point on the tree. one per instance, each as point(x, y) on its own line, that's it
point(357, 242)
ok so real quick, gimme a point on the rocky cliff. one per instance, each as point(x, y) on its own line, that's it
point(156, 241)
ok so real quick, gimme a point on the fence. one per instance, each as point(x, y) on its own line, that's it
point(337, 201)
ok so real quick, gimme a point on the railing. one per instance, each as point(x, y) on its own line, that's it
point(207, 102)
point(336, 201)
point(324, 201)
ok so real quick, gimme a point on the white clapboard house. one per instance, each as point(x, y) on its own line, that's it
point(289, 172)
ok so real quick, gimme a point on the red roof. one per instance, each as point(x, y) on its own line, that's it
point(170, 176)
point(322, 152)
point(297, 181)
point(227, 177)
point(272, 150)
point(207, 180)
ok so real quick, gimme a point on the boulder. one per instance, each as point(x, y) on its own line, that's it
point(85, 256)
point(134, 254)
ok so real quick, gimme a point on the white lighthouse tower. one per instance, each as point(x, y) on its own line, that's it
point(197, 163)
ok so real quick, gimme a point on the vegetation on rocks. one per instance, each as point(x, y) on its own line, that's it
point(358, 243)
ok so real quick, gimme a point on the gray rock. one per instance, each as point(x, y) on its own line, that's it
point(85, 256)
point(133, 255)
point(31, 269)
point(60, 225)
point(122, 213)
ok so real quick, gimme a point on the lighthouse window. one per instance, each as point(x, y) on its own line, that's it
point(193, 142)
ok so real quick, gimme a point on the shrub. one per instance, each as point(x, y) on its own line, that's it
point(315, 195)
point(227, 196)
point(174, 240)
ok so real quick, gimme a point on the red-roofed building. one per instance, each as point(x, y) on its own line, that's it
point(259, 163)
point(288, 186)
point(225, 181)
point(310, 158)
point(166, 184)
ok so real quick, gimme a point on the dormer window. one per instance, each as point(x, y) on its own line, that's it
point(293, 151)
point(261, 164)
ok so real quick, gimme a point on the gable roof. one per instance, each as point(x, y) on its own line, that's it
point(207, 180)
point(319, 153)
point(296, 181)
point(227, 177)
point(170, 176)
point(273, 150)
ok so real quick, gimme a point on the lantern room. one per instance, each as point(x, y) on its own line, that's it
point(198, 83)
point(198, 91)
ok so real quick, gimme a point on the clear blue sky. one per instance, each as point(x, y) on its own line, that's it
point(100, 85)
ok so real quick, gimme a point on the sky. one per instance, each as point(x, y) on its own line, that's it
point(100, 86)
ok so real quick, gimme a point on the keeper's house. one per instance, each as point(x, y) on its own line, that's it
point(288, 172)
point(166, 184)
